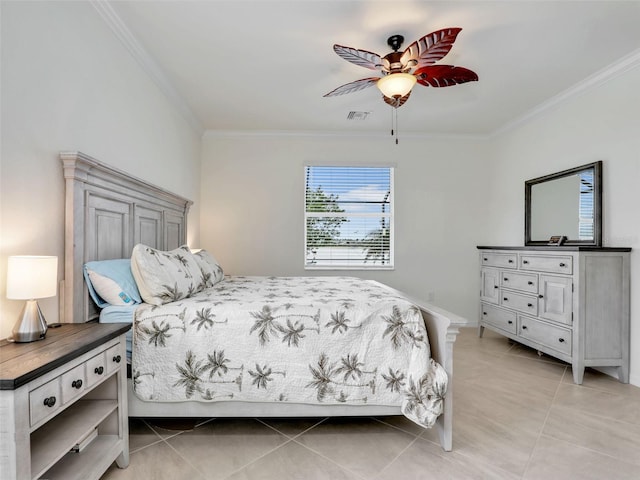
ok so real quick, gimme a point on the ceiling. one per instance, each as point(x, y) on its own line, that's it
point(265, 65)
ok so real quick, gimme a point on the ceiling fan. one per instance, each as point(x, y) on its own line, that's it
point(401, 70)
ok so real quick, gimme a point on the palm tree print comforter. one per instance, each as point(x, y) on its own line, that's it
point(326, 340)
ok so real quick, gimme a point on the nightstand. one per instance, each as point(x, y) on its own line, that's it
point(63, 403)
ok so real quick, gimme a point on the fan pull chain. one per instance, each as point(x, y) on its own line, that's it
point(394, 123)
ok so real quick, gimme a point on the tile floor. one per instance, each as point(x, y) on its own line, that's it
point(517, 415)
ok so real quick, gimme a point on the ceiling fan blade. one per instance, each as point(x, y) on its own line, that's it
point(362, 58)
point(353, 86)
point(396, 102)
point(430, 48)
point(444, 75)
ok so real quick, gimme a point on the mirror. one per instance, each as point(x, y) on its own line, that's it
point(567, 203)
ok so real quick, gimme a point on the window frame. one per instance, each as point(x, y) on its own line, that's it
point(390, 215)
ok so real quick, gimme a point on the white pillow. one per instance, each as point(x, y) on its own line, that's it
point(109, 290)
point(164, 277)
point(211, 270)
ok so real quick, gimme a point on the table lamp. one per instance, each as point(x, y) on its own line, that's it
point(29, 278)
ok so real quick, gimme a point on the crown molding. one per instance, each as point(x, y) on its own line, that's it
point(146, 61)
point(339, 134)
point(621, 66)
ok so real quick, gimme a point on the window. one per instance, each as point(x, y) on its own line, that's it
point(349, 217)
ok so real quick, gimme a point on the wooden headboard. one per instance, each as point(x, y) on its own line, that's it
point(108, 212)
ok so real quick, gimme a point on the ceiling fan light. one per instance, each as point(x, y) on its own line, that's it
point(396, 84)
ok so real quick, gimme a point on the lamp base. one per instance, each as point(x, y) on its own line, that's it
point(31, 325)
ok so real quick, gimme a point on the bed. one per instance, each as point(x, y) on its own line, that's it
point(109, 214)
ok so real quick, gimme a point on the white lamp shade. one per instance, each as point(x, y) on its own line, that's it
point(30, 277)
point(396, 84)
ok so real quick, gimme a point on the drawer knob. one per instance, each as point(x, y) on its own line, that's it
point(99, 370)
point(77, 384)
point(510, 322)
point(540, 296)
point(50, 401)
point(506, 279)
point(484, 313)
point(117, 358)
point(529, 305)
point(510, 261)
point(505, 299)
point(526, 262)
point(561, 340)
point(529, 282)
point(524, 327)
point(563, 264)
point(485, 259)
point(496, 286)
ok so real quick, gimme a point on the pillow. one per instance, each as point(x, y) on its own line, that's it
point(111, 282)
point(164, 277)
point(211, 270)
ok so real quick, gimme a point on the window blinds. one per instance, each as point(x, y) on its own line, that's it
point(348, 217)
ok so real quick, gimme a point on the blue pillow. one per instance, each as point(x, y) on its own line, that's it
point(111, 282)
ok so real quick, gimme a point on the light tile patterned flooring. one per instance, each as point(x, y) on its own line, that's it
point(517, 415)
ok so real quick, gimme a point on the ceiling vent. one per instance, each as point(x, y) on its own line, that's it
point(357, 115)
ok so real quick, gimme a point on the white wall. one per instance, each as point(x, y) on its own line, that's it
point(601, 124)
point(252, 207)
point(69, 84)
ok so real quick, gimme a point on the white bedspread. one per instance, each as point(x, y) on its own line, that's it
point(328, 340)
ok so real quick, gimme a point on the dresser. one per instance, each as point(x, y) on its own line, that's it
point(63, 403)
point(571, 303)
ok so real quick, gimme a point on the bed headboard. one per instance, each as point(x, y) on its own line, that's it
point(107, 212)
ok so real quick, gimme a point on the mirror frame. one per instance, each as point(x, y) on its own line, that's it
point(597, 204)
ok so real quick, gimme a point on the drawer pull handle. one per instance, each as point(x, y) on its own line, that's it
point(77, 384)
point(117, 358)
point(510, 322)
point(510, 261)
point(524, 327)
point(50, 401)
point(540, 296)
point(506, 279)
point(485, 259)
point(529, 282)
point(484, 313)
point(99, 370)
point(526, 262)
point(505, 299)
point(496, 286)
point(563, 264)
point(529, 305)
point(561, 340)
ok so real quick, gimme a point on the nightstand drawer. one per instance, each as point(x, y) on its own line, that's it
point(73, 383)
point(114, 358)
point(44, 401)
point(96, 369)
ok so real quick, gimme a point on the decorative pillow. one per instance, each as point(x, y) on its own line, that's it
point(164, 277)
point(211, 269)
point(111, 282)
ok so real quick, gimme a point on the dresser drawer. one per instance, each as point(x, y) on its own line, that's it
point(73, 383)
point(504, 260)
point(526, 282)
point(499, 318)
point(547, 263)
point(518, 301)
point(44, 401)
point(554, 337)
point(96, 369)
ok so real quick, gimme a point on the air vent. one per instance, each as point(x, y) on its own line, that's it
point(357, 115)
